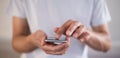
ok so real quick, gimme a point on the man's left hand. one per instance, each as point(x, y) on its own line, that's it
point(73, 29)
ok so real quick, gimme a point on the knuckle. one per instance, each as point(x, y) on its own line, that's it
point(74, 25)
point(70, 20)
point(71, 26)
point(81, 27)
point(74, 22)
point(77, 23)
point(38, 31)
point(62, 27)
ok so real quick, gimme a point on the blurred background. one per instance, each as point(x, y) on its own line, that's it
point(6, 50)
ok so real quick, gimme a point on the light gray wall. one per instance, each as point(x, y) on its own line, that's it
point(114, 7)
point(5, 22)
point(6, 31)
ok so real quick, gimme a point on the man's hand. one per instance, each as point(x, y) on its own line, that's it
point(38, 39)
point(24, 41)
point(97, 39)
point(74, 29)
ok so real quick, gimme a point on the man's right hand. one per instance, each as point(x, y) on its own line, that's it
point(38, 39)
point(24, 41)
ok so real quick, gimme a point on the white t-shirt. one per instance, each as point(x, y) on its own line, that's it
point(47, 14)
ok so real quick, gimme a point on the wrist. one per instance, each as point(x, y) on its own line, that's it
point(30, 41)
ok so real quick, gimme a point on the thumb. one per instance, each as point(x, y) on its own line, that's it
point(68, 40)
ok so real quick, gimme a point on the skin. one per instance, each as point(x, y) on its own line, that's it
point(97, 39)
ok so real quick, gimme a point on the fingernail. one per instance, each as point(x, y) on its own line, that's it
point(69, 33)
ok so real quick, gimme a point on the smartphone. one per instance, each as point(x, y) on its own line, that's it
point(55, 41)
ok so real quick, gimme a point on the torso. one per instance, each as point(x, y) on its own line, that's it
point(47, 14)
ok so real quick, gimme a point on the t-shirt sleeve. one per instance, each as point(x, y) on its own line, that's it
point(100, 14)
point(15, 8)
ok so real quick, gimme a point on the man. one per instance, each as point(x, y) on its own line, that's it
point(83, 22)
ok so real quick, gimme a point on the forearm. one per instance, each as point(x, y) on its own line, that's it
point(99, 41)
point(22, 44)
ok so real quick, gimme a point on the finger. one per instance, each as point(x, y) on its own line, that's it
point(81, 37)
point(78, 31)
point(68, 40)
point(57, 29)
point(60, 47)
point(37, 43)
point(82, 40)
point(63, 28)
point(84, 36)
point(57, 52)
point(72, 28)
point(62, 51)
point(40, 37)
point(42, 40)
